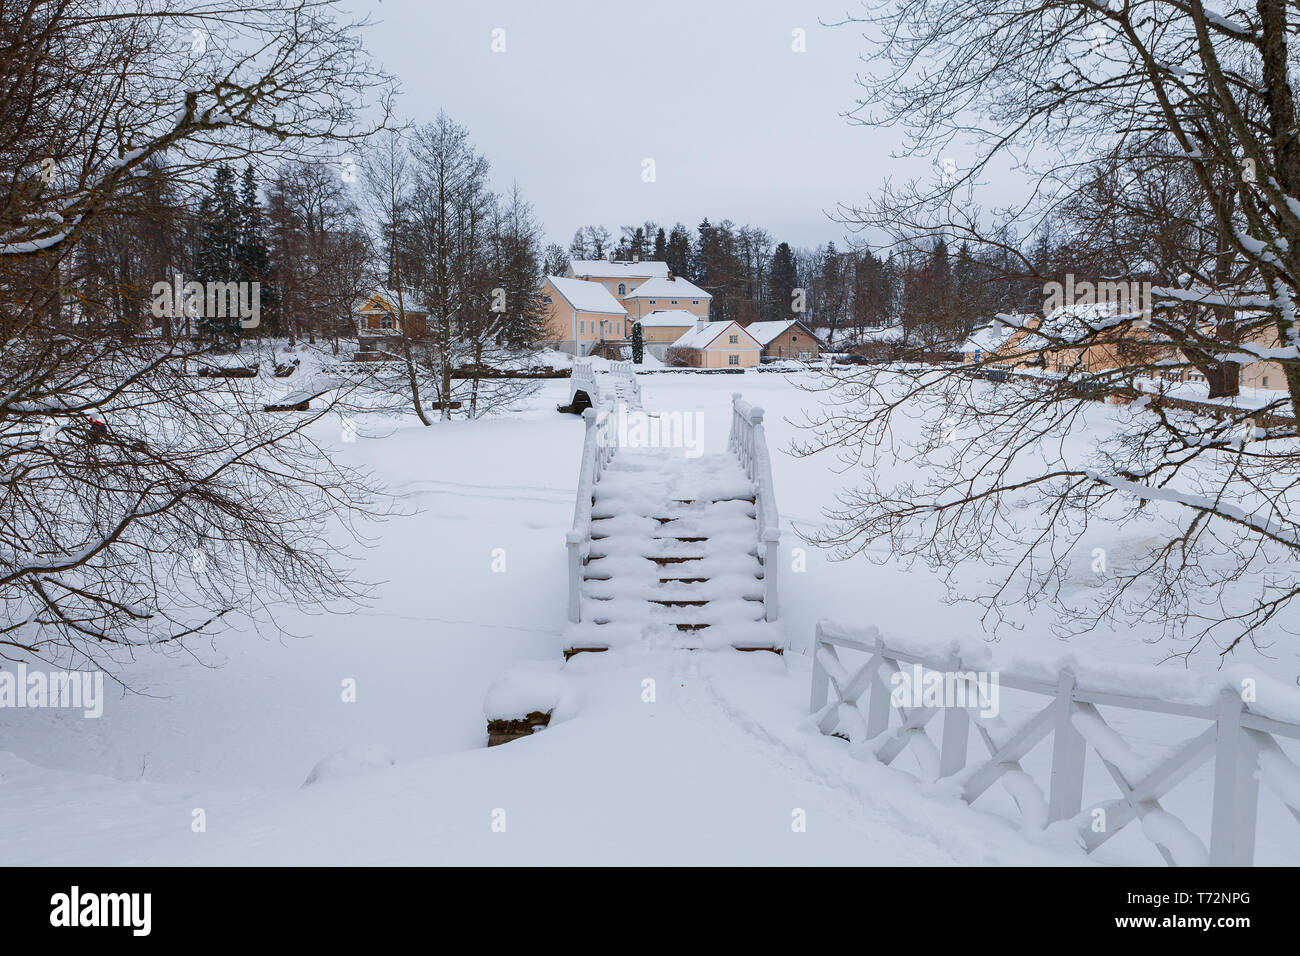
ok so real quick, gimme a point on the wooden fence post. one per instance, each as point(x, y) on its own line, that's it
point(1236, 790)
point(1069, 751)
point(820, 680)
point(956, 731)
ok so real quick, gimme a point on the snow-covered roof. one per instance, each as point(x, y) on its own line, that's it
point(988, 338)
point(1073, 323)
point(619, 269)
point(890, 333)
point(765, 332)
point(668, 319)
point(409, 300)
point(704, 334)
point(665, 288)
point(586, 296)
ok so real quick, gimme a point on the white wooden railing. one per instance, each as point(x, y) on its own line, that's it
point(624, 386)
point(748, 441)
point(582, 378)
point(597, 452)
point(854, 702)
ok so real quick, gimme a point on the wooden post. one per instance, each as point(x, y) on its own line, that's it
point(1236, 790)
point(878, 705)
point(1069, 752)
point(956, 733)
point(771, 559)
point(572, 545)
point(820, 681)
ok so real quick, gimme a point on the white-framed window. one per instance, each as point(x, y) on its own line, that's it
point(622, 288)
point(695, 301)
point(732, 340)
point(582, 325)
point(652, 301)
point(733, 359)
point(386, 321)
point(546, 299)
point(1264, 381)
point(673, 301)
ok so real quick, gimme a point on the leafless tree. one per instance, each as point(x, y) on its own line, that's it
point(1161, 137)
point(140, 504)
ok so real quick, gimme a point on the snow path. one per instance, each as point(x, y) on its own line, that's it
point(710, 773)
point(685, 779)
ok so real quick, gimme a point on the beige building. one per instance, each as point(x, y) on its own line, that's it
point(580, 314)
point(667, 294)
point(661, 329)
point(715, 345)
point(619, 293)
point(619, 277)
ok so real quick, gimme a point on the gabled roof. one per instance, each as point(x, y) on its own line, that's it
point(586, 296)
point(665, 288)
point(707, 333)
point(619, 269)
point(988, 338)
point(765, 332)
point(386, 299)
point(669, 319)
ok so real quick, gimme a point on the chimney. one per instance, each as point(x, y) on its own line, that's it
point(700, 324)
point(611, 255)
point(636, 257)
point(670, 275)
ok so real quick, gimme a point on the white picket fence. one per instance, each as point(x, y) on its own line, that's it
point(855, 702)
point(748, 441)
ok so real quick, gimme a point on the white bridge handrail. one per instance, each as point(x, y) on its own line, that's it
point(857, 704)
point(596, 456)
point(748, 441)
point(622, 378)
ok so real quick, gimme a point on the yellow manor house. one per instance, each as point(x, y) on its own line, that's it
point(599, 300)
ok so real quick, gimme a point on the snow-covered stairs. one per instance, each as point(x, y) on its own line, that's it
point(673, 558)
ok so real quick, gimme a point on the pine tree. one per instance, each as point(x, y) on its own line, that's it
point(660, 253)
point(252, 258)
point(677, 253)
point(638, 344)
point(782, 280)
point(217, 257)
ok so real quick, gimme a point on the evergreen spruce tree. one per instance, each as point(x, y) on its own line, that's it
point(216, 259)
point(638, 344)
point(660, 253)
point(782, 280)
point(252, 258)
point(677, 253)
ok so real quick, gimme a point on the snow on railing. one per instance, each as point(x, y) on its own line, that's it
point(582, 378)
point(881, 715)
point(596, 455)
point(748, 441)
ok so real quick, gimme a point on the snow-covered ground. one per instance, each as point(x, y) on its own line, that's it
point(717, 769)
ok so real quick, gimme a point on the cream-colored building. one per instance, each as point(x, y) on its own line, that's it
point(622, 291)
point(715, 345)
point(661, 329)
point(666, 294)
point(580, 314)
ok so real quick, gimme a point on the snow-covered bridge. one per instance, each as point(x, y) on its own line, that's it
point(673, 550)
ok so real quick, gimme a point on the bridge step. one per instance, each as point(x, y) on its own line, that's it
point(673, 551)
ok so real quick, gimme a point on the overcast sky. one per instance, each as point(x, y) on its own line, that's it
point(738, 124)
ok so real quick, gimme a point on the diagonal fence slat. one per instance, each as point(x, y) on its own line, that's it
point(858, 703)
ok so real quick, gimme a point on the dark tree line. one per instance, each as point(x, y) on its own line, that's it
point(935, 292)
